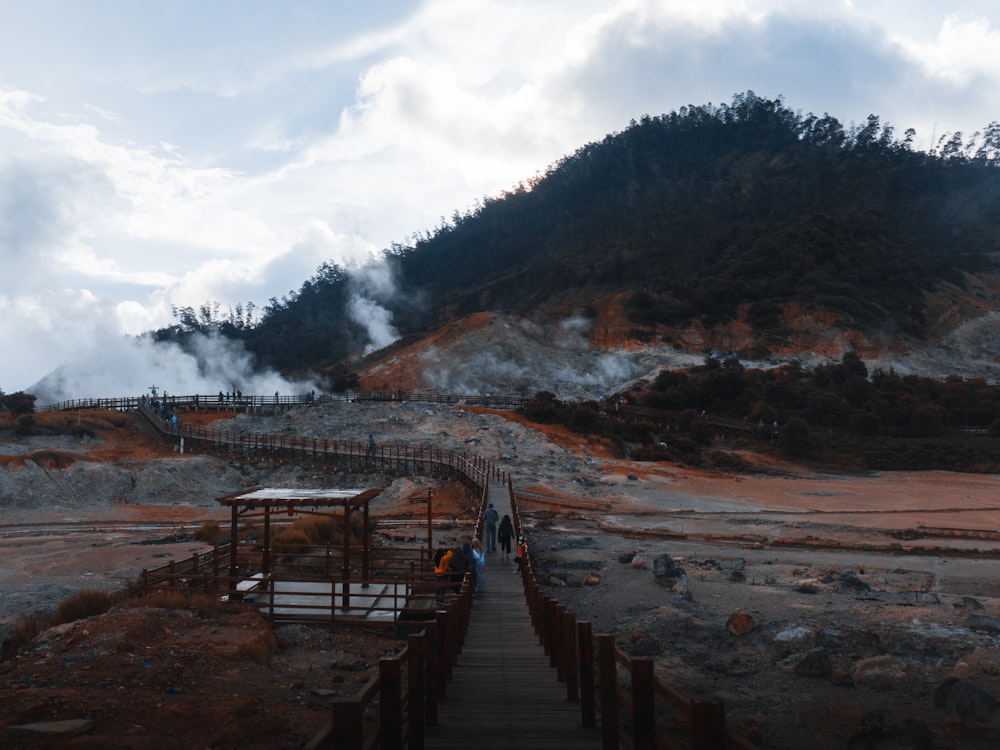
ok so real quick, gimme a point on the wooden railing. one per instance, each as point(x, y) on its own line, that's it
point(392, 710)
point(659, 715)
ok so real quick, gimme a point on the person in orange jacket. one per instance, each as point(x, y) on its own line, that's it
point(522, 553)
point(442, 561)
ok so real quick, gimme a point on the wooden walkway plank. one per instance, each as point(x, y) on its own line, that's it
point(504, 694)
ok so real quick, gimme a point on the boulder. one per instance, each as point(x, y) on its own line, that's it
point(849, 580)
point(815, 663)
point(666, 571)
point(880, 730)
point(740, 623)
point(967, 704)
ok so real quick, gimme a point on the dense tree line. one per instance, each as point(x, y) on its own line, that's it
point(837, 413)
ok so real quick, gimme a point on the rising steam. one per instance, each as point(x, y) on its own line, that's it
point(131, 366)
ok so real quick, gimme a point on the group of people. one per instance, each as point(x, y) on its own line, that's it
point(450, 565)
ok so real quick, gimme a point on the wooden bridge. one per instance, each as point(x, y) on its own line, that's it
point(510, 668)
point(505, 692)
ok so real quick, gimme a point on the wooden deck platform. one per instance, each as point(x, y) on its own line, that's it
point(503, 693)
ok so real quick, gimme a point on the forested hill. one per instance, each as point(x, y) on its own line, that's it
point(714, 213)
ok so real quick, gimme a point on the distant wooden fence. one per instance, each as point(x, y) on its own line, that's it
point(252, 404)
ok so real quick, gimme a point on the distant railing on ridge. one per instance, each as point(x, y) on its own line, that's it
point(248, 402)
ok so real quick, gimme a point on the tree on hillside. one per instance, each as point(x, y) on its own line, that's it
point(19, 403)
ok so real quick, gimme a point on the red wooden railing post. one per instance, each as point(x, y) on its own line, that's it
point(569, 656)
point(434, 688)
point(390, 711)
point(550, 631)
point(608, 680)
point(559, 644)
point(348, 732)
point(417, 688)
point(585, 651)
point(708, 725)
point(643, 716)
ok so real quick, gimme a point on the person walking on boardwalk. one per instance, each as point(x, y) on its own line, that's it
point(478, 568)
point(522, 553)
point(506, 536)
point(490, 519)
point(442, 560)
point(458, 565)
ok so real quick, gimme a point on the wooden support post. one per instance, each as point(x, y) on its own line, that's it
point(559, 644)
point(348, 731)
point(643, 715)
point(585, 661)
point(417, 687)
point(266, 565)
point(608, 680)
point(708, 725)
point(346, 571)
point(542, 617)
point(234, 542)
point(390, 711)
point(569, 656)
point(434, 688)
point(366, 549)
point(550, 631)
point(447, 647)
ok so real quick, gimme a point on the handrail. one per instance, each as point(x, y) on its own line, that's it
point(405, 707)
point(572, 646)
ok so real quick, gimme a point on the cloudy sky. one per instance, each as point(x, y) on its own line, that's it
point(170, 153)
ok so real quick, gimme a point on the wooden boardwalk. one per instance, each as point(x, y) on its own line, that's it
point(503, 693)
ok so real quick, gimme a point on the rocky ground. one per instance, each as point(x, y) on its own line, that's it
point(795, 596)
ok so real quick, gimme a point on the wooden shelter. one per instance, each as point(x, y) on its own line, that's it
point(265, 501)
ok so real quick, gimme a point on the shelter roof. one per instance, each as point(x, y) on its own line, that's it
point(297, 497)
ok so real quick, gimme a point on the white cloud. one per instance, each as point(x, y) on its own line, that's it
point(174, 154)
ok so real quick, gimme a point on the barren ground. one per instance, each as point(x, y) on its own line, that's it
point(835, 629)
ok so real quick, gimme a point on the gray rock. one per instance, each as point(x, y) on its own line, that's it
point(666, 571)
point(849, 580)
point(965, 703)
point(645, 647)
point(815, 663)
point(879, 730)
point(63, 728)
point(987, 623)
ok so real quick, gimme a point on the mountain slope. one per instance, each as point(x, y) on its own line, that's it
point(745, 218)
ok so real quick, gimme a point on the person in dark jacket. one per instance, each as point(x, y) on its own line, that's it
point(461, 559)
point(506, 536)
point(490, 518)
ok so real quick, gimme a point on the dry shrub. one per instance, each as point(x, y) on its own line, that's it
point(319, 529)
point(200, 602)
point(84, 604)
point(210, 532)
point(291, 541)
point(24, 632)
